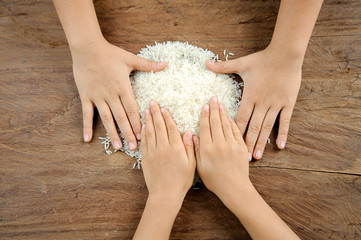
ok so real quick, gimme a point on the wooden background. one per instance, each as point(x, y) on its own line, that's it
point(53, 186)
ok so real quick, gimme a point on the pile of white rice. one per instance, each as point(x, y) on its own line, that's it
point(183, 87)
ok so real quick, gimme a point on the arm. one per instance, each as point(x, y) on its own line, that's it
point(158, 218)
point(222, 163)
point(101, 72)
point(168, 165)
point(272, 77)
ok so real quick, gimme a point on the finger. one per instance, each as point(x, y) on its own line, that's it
point(131, 110)
point(144, 144)
point(123, 123)
point(285, 118)
point(265, 132)
point(196, 149)
point(141, 64)
point(231, 66)
point(88, 114)
point(254, 129)
point(172, 129)
point(244, 114)
point(108, 122)
point(149, 129)
point(226, 125)
point(215, 120)
point(236, 132)
point(188, 144)
point(204, 128)
point(159, 124)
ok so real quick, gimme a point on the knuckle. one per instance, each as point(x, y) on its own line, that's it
point(188, 144)
point(282, 134)
point(242, 121)
point(132, 110)
point(173, 129)
point(107, 118)
point(261, 143)
point(246, 97)
point(128, 135)
point(254, 129)
point(121, 119)
point(286, 121)
point(268, 127)
point(203, 127)
point(222, 65)
point(250, 147)
point(87, 115)
point(113, 136)
point(216, 122)
point(149, 64)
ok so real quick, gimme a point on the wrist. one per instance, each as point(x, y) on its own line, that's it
point(238, 195)
point(288, 52)
point(80, 46)
point(169, 203)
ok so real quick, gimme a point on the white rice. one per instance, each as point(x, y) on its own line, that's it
point(183, 87)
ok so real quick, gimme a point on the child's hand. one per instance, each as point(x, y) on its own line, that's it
point(271, 83)
point(222, 159)
point(101, 72)
point(168, 162)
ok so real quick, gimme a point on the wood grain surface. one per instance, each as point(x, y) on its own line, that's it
point(53, 186)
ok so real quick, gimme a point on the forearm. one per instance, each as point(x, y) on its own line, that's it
point(157, 219)
point(257, 216)
point(295, 22)
point(79, 21)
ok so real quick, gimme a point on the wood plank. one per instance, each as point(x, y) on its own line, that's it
point(37, 26)
point(66, 200)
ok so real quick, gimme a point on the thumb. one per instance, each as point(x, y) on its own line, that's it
point(196, 148)
point(188, 144)
point(231, 66)
point(141, 64)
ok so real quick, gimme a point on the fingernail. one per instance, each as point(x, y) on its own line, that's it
point(152, 103)
point(206, 108)
point(162, 110)
point(195, 140)
point(258, 154)
point(131, 146)
point(143, 126)
point(221, 107)
point(138, 135)
point(249, 156)
point(214, 99)
point(116, 145)
point(86, 137)
point(188, 134)
point(147, 111)
point(210, 62)
point(283, 144)
point(161, 64)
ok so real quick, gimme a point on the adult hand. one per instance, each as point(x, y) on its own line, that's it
point(168, 162)
point(271, 83)
point(222, 160)
point(101, 72)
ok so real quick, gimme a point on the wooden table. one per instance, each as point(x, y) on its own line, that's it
point(53, 186)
